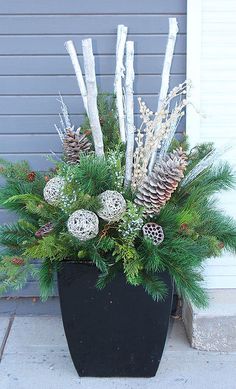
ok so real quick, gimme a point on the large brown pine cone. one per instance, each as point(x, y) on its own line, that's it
point(158, 187)
point(74, 143)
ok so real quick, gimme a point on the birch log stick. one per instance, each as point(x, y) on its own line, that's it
point(90, 77)
point(173, 30)
point(119, 74)
point(129, 103)
point(69, 45)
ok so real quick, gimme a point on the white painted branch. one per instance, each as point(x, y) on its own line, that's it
point(129, 102)
point(90, 77)
point(69, 45)
point(173, 30)
point(119, 74)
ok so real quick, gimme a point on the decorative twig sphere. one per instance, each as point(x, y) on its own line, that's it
point(83, 224)
point(113, 205)
point(154, 232)
point(53, 189)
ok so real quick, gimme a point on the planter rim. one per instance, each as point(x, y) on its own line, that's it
point(87, 263)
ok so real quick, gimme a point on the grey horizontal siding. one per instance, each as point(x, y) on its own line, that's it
point(105, 64)
point(92, 7)
point(49, 105)
point(34, 66)
point(87, 24)
point(102, 44)
point(26, 124)
point(46, 85)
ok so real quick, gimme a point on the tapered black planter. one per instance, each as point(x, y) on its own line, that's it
point(116, 332)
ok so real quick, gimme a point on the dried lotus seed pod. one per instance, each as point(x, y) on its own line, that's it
point(154, 232)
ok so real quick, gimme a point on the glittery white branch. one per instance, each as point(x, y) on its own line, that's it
point(90, 76)
point(119, 75)
point(129, 102)
point(172, 123)
point(173, 30)
point(60, 133)
point(65, 118)
point(212, 157)
point(75, 62)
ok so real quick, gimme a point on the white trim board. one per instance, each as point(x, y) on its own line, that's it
point(194, 22)
point(208, 64)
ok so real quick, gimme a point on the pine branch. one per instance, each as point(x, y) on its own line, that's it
point(46, 277)
point(148, 253)
point(17, 233)
point(154, 286)
point(92, 175)
point(105, 278)
point(14, 276)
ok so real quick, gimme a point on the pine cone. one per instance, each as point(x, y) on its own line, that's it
point(44, 230)
point(74, 144)
point(17, 261)
point(158, 187)
point(31, 176)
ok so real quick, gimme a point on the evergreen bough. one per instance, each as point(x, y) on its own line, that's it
point(194, 228)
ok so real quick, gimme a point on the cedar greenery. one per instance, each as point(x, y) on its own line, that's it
point(194, 228)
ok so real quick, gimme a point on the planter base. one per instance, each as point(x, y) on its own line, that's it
point(116, 332)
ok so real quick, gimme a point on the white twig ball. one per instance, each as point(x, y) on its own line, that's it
point(53, 189)
point(154, 232)
point(113, 205)
point(83, 224)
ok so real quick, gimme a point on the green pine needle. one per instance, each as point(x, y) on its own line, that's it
point(46, 277)
point(155, 287)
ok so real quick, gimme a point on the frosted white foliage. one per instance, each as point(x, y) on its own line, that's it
point(83, 224)
point(113, 205)
point(53, 190)
point(157, 130)
point(212, 157)
point(154, 232)
point(64, 119)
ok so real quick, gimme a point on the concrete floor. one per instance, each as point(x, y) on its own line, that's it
point(35, 355)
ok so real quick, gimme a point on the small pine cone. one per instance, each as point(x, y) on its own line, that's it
point(158, 187)
point(31, 176)
point(184, 227)
point(221, 245)
point(102, 120)
point(44, 230)
point(18, 261)
point(46, 178)
point(74, 143)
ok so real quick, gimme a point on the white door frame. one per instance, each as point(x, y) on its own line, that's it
point(194, 22)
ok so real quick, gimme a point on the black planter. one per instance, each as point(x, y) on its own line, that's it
point(116, 332)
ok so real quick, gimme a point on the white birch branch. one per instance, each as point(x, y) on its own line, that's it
point(173, 30)
point(129, 102)
point(69, 45)
point(90, 77)
point(119, 74)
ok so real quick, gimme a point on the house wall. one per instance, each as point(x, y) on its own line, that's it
point(211, 67)
point(34, 65)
